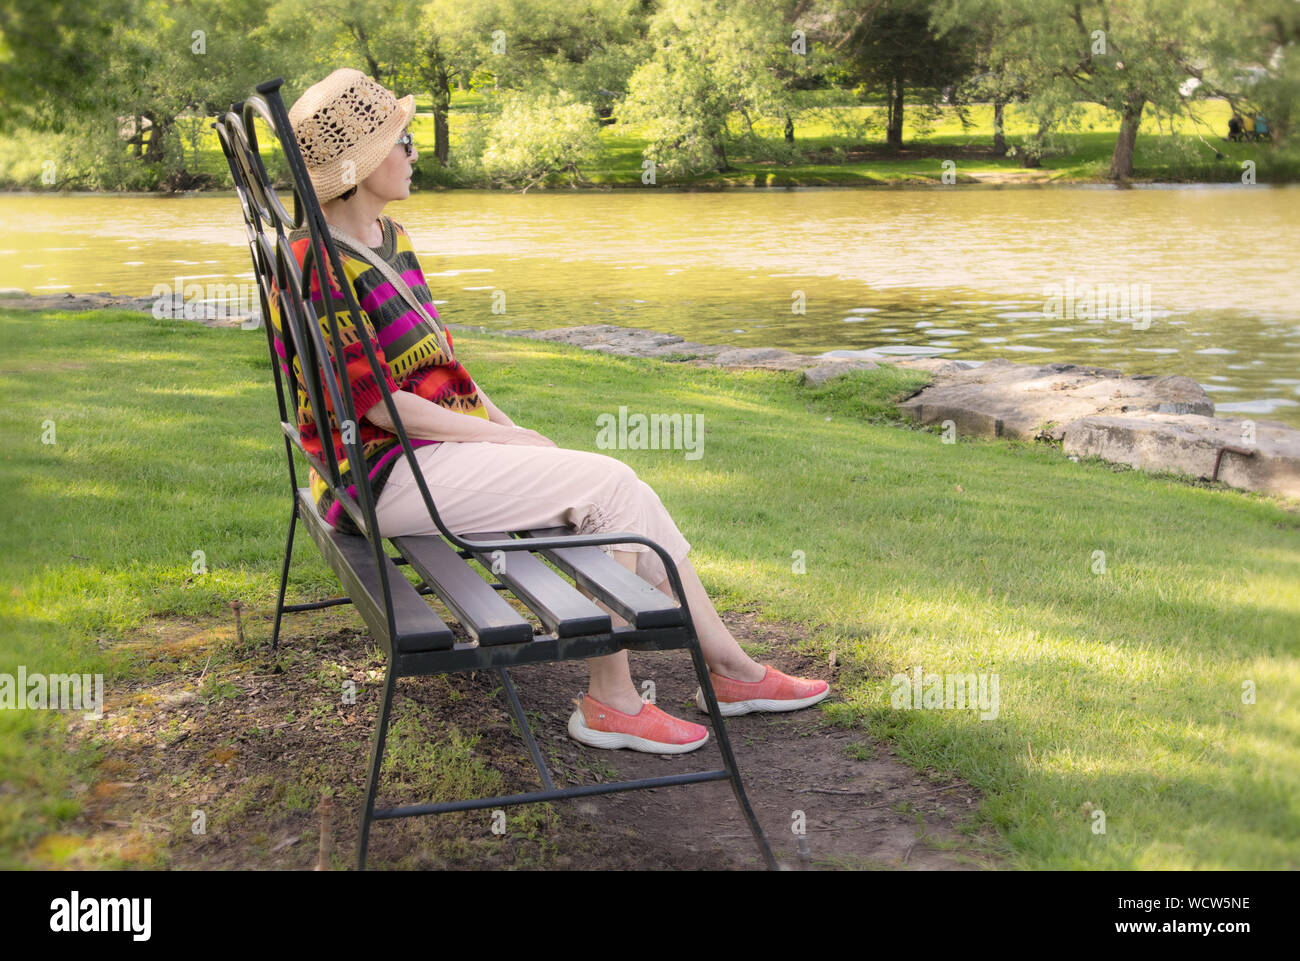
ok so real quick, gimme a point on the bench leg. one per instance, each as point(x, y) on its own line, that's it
point(284, 577)
point(376, 757)
point(517, 710)
point(729, 759)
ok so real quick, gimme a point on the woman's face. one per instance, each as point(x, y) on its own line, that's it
point(392, 178)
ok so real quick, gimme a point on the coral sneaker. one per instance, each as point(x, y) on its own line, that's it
point(650, 730)
point(775, 692)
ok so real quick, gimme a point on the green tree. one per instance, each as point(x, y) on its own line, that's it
point(160, 70)
point(1125, 55)
point(53, 56)
point(710, 59)
point(444, 53)
point(894, 49)
point(539, 134)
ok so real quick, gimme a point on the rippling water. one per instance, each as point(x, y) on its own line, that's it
point(1193, 280)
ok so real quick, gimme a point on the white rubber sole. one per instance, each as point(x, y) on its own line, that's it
point(732, 708)
point(580, 732)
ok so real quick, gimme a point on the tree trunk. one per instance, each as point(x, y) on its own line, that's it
point(721, 154)
point(1032, 156)
point(1121, 161)
point(789, 129)
point(156, 149)
point(441, 105)
point(999, 136)
point(894, 136)
point(363, 41)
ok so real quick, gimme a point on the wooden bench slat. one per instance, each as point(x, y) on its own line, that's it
point(563, 610)
point(419, 628)
point(476, 604)
point(641, 605)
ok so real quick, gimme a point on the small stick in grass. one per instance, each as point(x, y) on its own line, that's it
point(239, 621)
point(325, 809)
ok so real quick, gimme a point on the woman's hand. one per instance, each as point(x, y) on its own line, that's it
point(428, 421)
point(524, 437)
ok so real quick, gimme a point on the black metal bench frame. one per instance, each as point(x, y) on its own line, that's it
point(414, 638)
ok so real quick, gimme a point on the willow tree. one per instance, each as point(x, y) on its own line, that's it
point(711, 59)
point(53, 57)
point(533, 47)
point(1125, 55)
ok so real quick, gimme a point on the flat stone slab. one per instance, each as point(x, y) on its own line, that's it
point(816, 376)
point(938, 366)
point(763, 358)
point(639, 342)
point(1025, 402)
point(627, 341)
point(1258, 456)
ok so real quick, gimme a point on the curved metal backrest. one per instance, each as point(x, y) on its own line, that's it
point(295, 336)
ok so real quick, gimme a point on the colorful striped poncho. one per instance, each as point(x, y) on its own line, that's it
point(408, 352)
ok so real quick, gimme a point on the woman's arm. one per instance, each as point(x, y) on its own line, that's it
point(429, 421)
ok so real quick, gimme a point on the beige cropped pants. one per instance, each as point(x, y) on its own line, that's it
point(479, 487)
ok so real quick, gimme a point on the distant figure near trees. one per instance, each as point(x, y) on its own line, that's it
point(1253, 127)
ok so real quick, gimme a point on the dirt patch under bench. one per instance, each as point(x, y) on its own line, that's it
point(221, 760)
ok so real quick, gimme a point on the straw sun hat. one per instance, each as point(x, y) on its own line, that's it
point(346, 127)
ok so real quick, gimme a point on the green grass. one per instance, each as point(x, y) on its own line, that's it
point(1122, 689)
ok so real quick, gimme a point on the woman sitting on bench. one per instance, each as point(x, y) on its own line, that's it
point(484, 472)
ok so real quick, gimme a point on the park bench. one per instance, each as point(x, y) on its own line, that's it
point(415, 640)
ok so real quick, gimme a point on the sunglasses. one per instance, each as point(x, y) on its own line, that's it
point(406, 142)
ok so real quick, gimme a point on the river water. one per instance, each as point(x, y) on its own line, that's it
point(1194, 280)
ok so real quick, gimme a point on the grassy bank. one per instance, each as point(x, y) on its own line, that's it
point(1120, 681)
point(837, 143)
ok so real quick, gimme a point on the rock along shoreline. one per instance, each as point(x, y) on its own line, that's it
point(1152, 423)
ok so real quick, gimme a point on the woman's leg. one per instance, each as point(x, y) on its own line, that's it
point(611, 678)
point(484, 487)
point(722, 652)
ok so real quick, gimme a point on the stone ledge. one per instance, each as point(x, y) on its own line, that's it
point(1190, 444)
point(640, 342)
point(1025, 402)
point(816, 376)
point(1153, 423)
